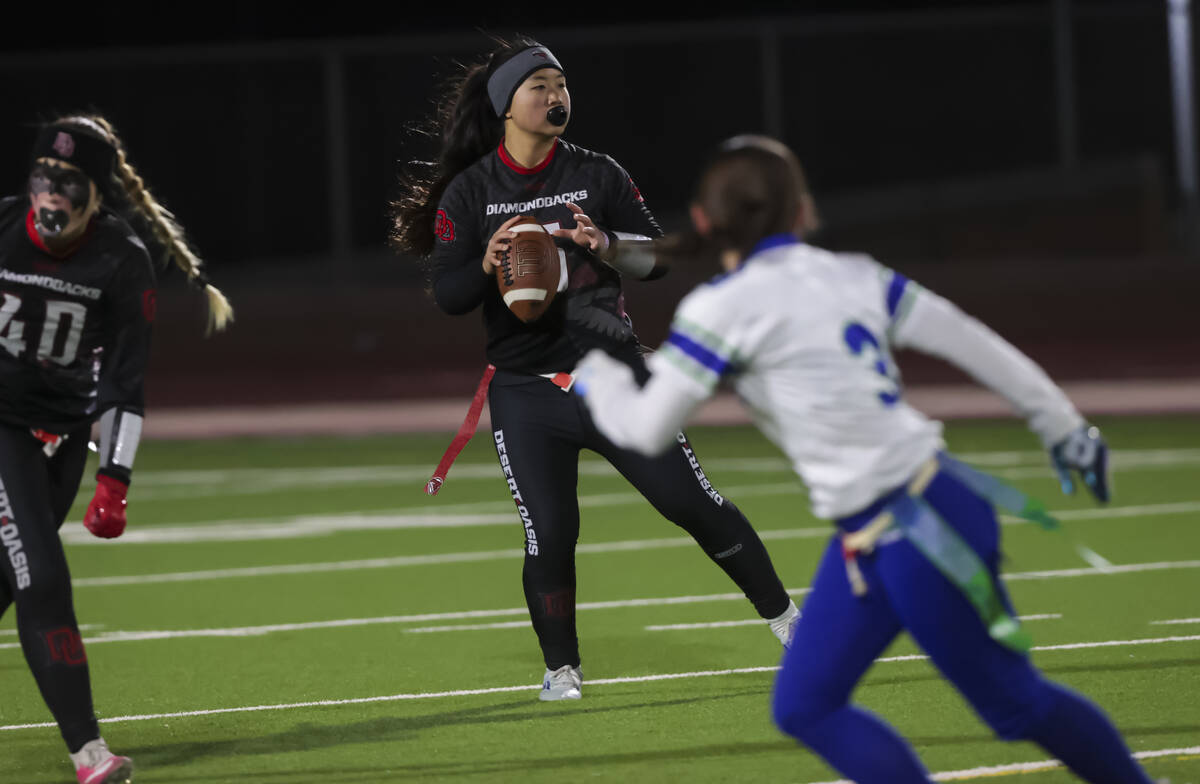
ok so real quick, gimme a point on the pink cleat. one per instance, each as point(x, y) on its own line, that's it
point(95, 764)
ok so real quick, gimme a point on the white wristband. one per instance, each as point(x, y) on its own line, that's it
point(120, 432)
point(634, 255)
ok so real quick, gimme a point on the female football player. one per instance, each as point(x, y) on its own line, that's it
point(78, 302)
point(806, 335)
point(502, 156)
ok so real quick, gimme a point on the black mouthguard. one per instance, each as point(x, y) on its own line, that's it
point(557, 115)
point(52, 221)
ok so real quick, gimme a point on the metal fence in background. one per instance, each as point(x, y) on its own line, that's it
point(290, 150)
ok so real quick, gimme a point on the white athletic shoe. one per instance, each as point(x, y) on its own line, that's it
point(95, 764)
point(565, 683)
point(784, 625)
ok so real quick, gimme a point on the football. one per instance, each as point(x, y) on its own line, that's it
point(529, 275)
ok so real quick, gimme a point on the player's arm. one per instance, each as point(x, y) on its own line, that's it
point(459, 278)
point(685, 372)
point(645, 419)
point(129, 313)
point(627, 245)
point(927, 322)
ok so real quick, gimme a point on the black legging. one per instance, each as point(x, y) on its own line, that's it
point(538, 433)
point(35, 495)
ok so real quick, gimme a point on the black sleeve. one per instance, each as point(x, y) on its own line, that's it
point(626, 210)
point(13, 208)
point(129, 312)
point(459, 281)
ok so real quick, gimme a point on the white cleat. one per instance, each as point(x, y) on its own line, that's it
point(95, 764)
point(565, 683)
point(784, 625)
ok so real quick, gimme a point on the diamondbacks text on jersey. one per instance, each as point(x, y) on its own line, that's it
point(590, 313)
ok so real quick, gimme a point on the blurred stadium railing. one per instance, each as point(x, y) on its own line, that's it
point(1017, 159)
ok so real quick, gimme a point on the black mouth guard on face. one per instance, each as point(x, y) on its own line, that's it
point(52, 221)
point(557, 115)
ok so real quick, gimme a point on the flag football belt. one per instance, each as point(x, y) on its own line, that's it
point(563, 381)
point(918, 522)
point(50, 441)
point(465, 431)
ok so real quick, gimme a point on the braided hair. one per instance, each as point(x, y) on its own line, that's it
point(161, 221)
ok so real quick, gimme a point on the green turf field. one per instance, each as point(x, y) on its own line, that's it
point(286, 573)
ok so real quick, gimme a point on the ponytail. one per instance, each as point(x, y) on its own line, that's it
point(752, 188)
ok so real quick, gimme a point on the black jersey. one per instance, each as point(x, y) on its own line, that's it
point(74, 331)
point(590, 313)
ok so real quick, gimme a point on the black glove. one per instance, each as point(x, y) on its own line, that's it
point(1083, 451)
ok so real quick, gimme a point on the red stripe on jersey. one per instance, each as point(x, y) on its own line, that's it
point(518, 168)
point(31, 230)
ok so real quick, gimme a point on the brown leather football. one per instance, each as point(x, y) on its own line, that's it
point(529, 275)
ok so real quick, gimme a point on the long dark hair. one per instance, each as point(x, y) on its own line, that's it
point(469, 129)
point(751, 188)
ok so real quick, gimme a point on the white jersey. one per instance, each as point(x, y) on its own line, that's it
point(805, 335)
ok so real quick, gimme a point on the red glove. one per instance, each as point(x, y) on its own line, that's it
point(105, 515)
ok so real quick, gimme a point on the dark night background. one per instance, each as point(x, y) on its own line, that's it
point(1018, 156)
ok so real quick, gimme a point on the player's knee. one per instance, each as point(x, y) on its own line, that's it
point(683, 515)
point(715, 529)
point(548, 567)
point(1015, 717)
point(798, 714)
point(700, 511)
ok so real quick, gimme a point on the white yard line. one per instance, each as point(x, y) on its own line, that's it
point(989, 771)
point(1115, 569)
point(420, 560)
point(1110, 512)
point(488, 513)
point(160, 485)
point(672, 627)
point(256, 631)
point(511, 553)
point(84, 627)
point(524, 687)
point(471, 627)
point(250, 631)
point(1115, 643)
point(1175, 621)
point(336, 474)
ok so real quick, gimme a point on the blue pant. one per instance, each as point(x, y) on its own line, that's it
point(839, 635)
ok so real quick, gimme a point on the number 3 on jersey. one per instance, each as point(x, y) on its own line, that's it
point(12, 330)
point(862, 343)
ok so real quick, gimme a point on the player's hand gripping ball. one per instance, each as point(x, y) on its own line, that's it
point(528, 275)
